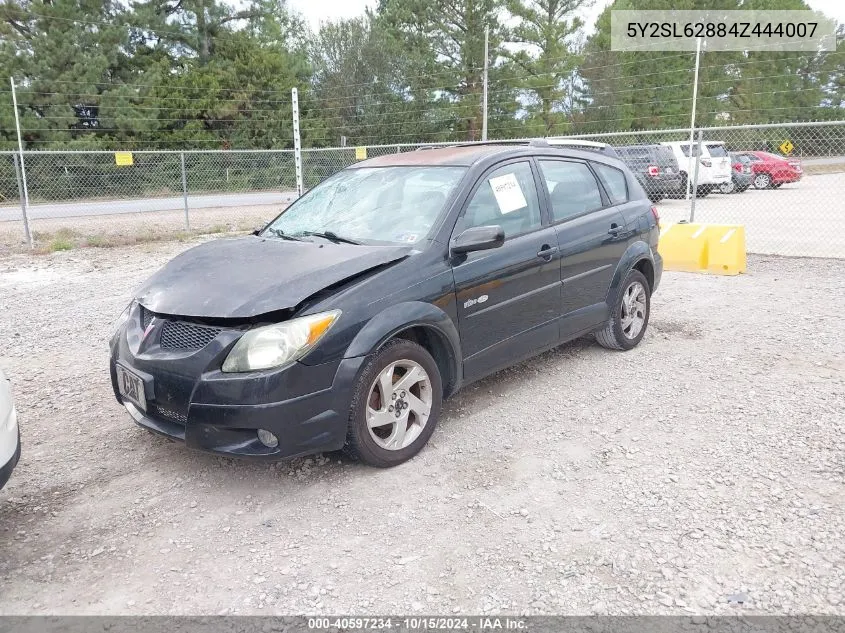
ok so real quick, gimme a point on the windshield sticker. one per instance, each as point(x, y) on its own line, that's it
point(410, 238)
point(508, 193)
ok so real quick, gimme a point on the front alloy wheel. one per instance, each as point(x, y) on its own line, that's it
point(399, 405)
point(727, 187)
point(395, 405)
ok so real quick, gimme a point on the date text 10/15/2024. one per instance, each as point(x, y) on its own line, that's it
point(420, 623)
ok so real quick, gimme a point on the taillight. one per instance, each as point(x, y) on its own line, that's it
point(738, 166)
point(706, 162)
point(655, 214)
point(653, 170)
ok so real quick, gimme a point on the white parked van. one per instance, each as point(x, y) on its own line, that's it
point(10, 439)
point(714, 166)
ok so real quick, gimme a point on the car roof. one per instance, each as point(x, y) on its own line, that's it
point(462, 155)
point(467, 155)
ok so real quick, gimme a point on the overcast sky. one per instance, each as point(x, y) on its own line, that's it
point(317, 10)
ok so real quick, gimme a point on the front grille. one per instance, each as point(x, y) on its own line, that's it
point(146, 317)
point(169, 414)
point(186, 336)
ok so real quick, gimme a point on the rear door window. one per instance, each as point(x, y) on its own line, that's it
point(717, 150)
point(614, 182)
point(573, 189)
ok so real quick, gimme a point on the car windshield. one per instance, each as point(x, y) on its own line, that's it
point(370, 205)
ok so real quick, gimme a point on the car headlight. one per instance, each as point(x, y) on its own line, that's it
point(124, 316)
point(276, 345)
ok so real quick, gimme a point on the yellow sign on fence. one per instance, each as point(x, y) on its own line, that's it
point(123, 159)
point(786, 147)
point(360, 153)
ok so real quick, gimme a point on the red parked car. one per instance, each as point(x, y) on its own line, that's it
point(771, 170)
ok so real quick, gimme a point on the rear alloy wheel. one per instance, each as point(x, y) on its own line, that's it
point(727, 187)
point(629, 318)
point(395, 406)
point(762, 181)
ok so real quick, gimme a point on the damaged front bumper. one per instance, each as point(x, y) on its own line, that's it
point(183, 394)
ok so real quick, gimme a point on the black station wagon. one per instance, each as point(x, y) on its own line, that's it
point(346, 321)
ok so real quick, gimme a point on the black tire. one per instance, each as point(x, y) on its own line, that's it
point(611, 335)
point(682, 187)
point(702, 191)
point(359, 443)
point(728, 187)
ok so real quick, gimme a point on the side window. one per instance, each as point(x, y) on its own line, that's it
point(614, 183)
point(506, 197)
point(573, 189)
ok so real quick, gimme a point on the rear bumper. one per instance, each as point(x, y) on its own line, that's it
point(658, 269)
point(9, 466)
point(781, 178)
point(662, 185)
point(742, 180)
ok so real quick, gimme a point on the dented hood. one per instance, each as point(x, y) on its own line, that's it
point(247, 277)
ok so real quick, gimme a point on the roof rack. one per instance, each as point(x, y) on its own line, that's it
point(531, 142)
point(575, 142)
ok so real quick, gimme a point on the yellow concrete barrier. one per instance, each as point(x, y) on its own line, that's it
point(715, 248)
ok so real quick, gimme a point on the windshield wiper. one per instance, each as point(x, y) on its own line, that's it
point(332, 236)
point(282, 234)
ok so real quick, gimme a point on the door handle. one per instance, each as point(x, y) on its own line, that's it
point(614, 229)
point(547, 251)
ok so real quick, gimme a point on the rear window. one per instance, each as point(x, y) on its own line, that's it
point(717, 150)
point(685, 149)
point(664, 153)
point(635, 152)
point(614, 182)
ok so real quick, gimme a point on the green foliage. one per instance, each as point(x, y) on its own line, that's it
point(213, 74)
point(650, 89)
point(547, 59)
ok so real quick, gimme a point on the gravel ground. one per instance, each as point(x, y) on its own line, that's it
point(703, 472)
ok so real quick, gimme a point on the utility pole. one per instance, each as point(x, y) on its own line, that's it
point(24, 194)
point(692, 117)
point(484, 98)
point(297, 147)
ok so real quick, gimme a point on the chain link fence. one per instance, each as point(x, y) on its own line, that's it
point(785, 183)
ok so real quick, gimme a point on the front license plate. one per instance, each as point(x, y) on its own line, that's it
point(131, 387)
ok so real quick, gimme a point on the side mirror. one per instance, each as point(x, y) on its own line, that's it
point(478, 238)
